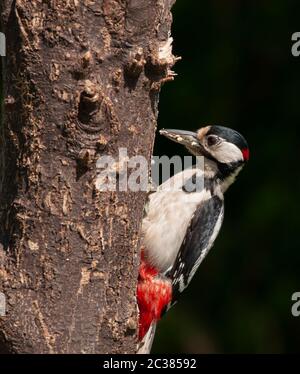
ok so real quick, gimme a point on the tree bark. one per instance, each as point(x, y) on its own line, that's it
point(81, 80)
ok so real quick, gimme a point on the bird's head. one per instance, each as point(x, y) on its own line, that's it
point(222, 145)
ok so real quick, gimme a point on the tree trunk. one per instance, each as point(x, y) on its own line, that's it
point(81, 80)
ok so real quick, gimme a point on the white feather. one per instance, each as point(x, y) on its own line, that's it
point(226, 153)
point(168, 216)
point(145, 345)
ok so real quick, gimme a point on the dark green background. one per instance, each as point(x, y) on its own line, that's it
point(238, 71)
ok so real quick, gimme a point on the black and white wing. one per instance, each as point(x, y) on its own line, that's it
point(200, 236)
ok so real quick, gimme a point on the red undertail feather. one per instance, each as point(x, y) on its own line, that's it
point(153, 295)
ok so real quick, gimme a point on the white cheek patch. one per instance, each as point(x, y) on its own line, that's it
point(227, 152)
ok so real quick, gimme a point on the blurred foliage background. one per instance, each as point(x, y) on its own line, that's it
point(238, 71)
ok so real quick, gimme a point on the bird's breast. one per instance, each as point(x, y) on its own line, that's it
point(165, 226)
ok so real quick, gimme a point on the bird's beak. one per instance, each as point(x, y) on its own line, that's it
point(186, 138)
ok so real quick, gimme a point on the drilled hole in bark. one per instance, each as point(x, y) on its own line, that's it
point(89, 105)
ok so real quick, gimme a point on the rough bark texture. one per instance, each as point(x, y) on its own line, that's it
point(82, 79)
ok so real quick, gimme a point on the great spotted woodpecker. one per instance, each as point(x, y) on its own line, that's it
point(181, 225)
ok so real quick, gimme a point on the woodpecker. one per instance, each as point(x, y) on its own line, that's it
point(181, 225)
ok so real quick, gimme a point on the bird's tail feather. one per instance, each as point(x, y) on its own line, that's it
point(146, 344)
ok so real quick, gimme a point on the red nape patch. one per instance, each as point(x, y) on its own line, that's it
point(153, 295)
point(246, 154)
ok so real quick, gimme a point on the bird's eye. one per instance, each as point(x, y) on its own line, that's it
point(212, 140)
